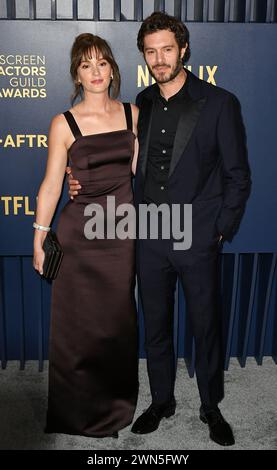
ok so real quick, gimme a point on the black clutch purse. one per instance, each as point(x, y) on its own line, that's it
point(53, 256)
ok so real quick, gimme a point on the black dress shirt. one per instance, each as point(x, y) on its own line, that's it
point(164, 125)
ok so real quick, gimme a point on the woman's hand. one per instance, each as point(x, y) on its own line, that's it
point(74, 185)
point(38, 260)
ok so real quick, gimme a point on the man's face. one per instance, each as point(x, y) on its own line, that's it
point(162, 55)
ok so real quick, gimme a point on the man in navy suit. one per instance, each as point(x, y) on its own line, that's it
point(192, 151)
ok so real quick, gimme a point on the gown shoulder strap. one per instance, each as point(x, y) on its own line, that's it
point(128, 115)
point(72, 124)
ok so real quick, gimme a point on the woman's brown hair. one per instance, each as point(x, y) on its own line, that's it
point(81, 50)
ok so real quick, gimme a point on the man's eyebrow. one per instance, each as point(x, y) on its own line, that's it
point(163, 47)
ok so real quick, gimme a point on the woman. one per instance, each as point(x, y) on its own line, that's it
point(93, 341)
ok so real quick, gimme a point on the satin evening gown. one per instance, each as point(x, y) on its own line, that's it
point(93, 373)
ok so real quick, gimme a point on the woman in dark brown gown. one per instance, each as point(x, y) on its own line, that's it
point(93, 376)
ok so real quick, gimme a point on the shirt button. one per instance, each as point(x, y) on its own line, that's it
point(165, 108)
point(164, 151)
point(162, 188)
point(162, 167)
point(163, 131)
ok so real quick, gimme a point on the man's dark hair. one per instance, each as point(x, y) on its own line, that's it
point(159, 21)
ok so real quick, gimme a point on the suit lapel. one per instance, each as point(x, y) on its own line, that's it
point(185, 128)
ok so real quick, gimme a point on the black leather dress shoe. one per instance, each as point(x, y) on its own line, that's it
point(149, 421)
point(220, 430)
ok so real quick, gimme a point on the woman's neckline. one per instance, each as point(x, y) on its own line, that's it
point(97, 134)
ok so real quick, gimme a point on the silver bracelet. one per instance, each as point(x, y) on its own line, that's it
point(41, 227)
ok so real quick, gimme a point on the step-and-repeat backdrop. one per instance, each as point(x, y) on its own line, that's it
point(35, 85)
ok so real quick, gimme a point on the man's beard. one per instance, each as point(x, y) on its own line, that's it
point(163, 77)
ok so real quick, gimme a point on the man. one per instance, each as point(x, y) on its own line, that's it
point(192, 151)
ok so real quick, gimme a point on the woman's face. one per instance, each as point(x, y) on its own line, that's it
point(94, 73)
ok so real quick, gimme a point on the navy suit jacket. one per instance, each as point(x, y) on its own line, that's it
point(209, 167)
